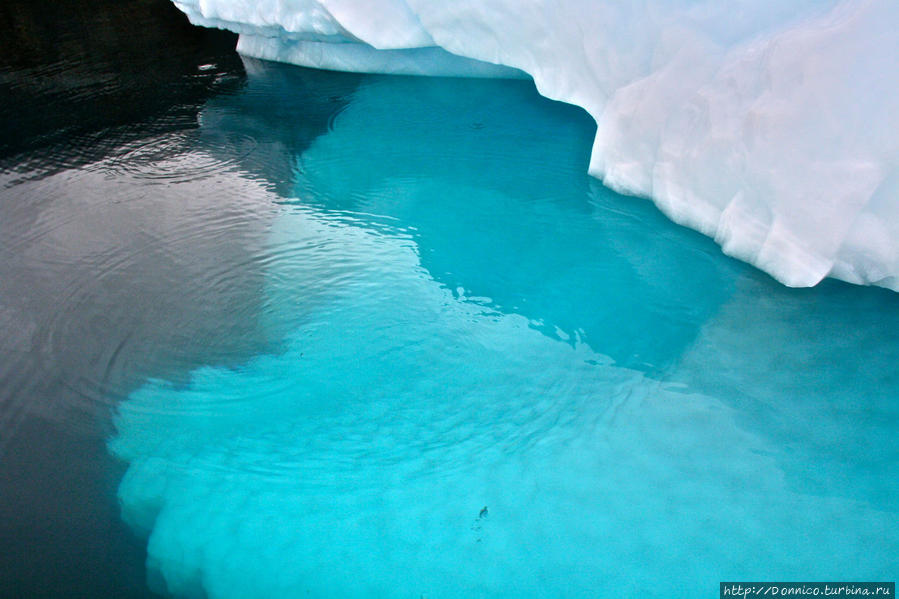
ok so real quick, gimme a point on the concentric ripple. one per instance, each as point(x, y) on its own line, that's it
point(151, 159)
point(126, 282)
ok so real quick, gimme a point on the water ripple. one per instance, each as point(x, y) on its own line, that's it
point(151, 160)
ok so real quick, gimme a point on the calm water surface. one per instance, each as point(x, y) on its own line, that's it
point(272, 332)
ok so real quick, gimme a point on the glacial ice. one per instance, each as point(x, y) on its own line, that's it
point(769, 126)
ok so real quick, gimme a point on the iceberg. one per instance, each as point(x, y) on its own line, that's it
point(768, 126)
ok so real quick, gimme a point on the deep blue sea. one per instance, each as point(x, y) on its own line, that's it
point(274, 332)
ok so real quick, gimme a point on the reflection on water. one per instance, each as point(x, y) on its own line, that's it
point(128, 249)
point(336, 316)
point(499, 204)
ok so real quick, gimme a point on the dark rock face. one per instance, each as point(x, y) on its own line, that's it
point(74, 67)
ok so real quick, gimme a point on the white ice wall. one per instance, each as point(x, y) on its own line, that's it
point(771, 126)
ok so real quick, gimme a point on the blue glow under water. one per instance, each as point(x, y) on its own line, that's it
point(497, 378)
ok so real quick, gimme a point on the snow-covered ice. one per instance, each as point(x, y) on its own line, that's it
point(769, 126)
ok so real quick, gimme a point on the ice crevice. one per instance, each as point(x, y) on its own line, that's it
point(769, 126)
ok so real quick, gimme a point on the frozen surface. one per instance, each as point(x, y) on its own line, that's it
point(768, 126)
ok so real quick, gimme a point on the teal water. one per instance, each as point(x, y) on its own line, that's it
point(493, 377)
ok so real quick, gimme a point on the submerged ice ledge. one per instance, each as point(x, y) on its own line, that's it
point(769, 126)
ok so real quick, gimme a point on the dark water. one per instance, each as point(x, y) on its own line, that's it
point(85, 283)
point(334, 316)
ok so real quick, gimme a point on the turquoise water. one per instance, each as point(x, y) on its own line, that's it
point(493, 377)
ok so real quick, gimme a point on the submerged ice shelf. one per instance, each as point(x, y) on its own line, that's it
point(459, 334)
point(770, 127)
